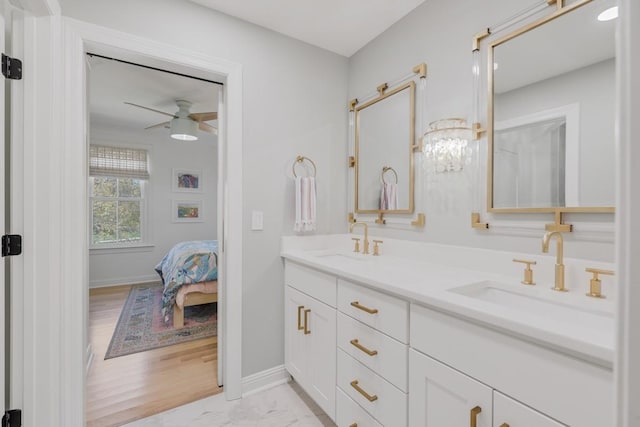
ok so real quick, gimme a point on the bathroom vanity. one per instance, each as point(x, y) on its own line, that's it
point(394, 340)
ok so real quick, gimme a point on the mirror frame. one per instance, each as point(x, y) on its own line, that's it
point(411, 85)
point(560, 11)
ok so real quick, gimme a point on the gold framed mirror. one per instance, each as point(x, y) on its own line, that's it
point(384, 145)
point(551, 112)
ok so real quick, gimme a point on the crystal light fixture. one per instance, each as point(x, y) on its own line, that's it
point(446, 145)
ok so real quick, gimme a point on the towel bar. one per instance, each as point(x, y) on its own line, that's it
point(301, 159)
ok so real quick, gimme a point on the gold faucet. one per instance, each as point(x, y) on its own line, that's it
point(365, 245)
point(559, 286)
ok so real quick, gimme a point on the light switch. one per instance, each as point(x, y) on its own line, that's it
point(257, 220)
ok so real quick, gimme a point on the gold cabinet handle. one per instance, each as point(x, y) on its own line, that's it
point(473, 416)
point(357, 305)
point(300, 307)
point(504, 425)
point(367, 396)
point(306, 321)
point(356, 425)
point(360, 347)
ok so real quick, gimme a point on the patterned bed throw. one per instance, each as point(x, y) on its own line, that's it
point(187, 262)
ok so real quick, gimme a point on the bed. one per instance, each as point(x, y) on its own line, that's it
point(189, 273)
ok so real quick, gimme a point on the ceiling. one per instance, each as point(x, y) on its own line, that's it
point(111, 83)
point(341, 26)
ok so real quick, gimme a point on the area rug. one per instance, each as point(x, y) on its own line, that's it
point(141, 327)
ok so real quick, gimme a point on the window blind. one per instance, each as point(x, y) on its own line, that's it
point(120, 162)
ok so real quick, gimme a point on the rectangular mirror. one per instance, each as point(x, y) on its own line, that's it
point(551, 113)
point(384, 143)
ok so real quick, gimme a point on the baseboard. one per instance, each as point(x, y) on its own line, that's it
point(263, 380)
point(89, 358)
point(116, 281)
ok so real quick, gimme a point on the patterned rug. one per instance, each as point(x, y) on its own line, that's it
point(141, 327)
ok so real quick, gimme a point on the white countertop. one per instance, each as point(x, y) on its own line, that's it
point(589, 336)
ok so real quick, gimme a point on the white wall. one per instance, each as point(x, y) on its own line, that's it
point(440, 32)
point(294, 102)
point(116, 266)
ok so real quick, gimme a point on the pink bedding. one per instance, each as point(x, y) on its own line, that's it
point(210, 287)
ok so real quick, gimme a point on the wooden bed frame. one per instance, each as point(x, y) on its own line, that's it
point(193, 298)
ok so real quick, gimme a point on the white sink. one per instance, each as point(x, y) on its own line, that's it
point(543, 302)
point(330, 255)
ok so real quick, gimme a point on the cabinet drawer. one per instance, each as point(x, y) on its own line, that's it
point(565, 388)
point(390, 315)
point(390, 360)
point(388, 404)
point(514, 414)
point(319, 285)
point(349, 413)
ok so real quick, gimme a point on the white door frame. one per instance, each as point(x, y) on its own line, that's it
point(627, 369)
point(55, 216)
point(80, 38)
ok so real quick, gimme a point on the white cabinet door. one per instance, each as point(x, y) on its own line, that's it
point(295, 353)
point(320, 328)
point(310, 347)
point(509, 413)
point(441, 396)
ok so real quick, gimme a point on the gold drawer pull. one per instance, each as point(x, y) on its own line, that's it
point(356, 425)
point(300, 307)
point(473, 419)
point(306, 321)
point(504, 425)
point(359, 346)
point(367, 396)
point(357, 305)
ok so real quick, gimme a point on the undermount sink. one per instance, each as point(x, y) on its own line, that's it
point(540, 301)
point(340, 256)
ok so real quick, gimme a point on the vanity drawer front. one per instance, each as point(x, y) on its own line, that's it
point(312, 282)
point(569, 390)
point(350, 413)
point(391, 314)
point(390, 360)
point(388, 404)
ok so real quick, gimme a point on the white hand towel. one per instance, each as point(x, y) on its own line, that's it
point(305, 204)
point(388, 196)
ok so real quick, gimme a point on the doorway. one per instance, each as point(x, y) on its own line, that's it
point(55, 314)
point(153, 240)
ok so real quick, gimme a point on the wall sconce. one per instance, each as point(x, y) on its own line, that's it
point(446, 145)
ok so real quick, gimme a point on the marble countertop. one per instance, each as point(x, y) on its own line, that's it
point(586, 331)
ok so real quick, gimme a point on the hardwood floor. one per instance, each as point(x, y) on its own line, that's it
point(127, 388)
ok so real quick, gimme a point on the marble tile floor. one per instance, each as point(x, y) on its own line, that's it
point(281, 406)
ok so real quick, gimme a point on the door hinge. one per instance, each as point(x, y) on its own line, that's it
point(11, 67)
point(11, 245)
point(12, 418)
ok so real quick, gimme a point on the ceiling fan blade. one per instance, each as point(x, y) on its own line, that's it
point(159, 125)
point(150, 109)
point(204, 117)
point(207, 128)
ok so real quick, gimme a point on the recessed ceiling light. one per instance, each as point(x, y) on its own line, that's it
point(609, 14)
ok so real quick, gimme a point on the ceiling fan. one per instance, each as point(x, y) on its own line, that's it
point(184, 125)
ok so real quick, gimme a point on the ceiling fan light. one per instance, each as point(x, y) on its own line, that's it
point(184, 129)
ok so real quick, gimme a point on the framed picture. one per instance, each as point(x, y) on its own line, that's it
point(186, 211)
point(187, 180)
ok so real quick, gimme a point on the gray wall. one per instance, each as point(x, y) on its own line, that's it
point(132, 265)
point(294, 102)
point(439, 32)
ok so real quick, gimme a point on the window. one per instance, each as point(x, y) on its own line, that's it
point(117, 196)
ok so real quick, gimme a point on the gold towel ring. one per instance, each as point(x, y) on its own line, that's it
point(386, 169)
point(301, 159)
